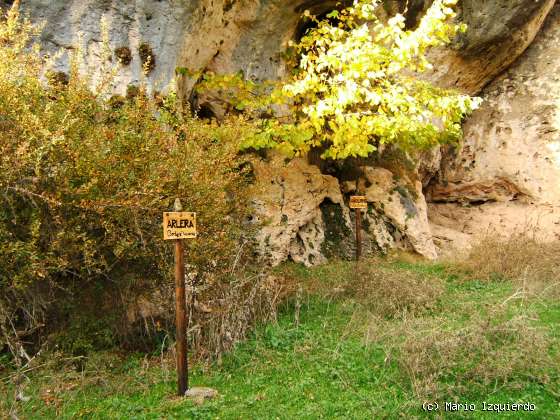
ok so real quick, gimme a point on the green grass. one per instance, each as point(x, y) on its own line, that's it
point(323, 367)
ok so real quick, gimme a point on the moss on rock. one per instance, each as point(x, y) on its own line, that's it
point(147, 57)
point(57, 78)
point(124, 55)
point(337, 233)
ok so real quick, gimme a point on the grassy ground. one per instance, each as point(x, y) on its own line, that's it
point(375, 341)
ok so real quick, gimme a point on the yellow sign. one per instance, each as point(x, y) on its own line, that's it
point(179, 225)
point(358, 202)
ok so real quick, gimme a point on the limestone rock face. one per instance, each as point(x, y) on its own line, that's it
point(217, 35)
point(251, 35)
point(288, 202)
point(160, 25)
point(306, 218)
point(398, 212)
point(456, 229)
point(508, 169)
point(498, 32)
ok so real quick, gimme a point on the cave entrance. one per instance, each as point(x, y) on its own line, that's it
point(412, 10)
point(320, 9)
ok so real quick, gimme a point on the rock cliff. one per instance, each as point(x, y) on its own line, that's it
point(505, 177)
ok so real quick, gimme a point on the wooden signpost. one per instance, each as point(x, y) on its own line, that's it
point(358, 202)
point(179, 225)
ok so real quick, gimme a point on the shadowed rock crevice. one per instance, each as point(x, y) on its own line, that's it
point(338, 241)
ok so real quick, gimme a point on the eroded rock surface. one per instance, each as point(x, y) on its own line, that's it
point(507, 173)
point(161, 25)
point(306, 217)
point(498, 32)
point(398, 213)
point(290, 200)
point(251, 36)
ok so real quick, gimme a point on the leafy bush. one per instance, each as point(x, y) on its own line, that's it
point(84, 182)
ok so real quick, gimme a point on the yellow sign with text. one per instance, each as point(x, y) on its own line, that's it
point(179, 225)
point(358, 202)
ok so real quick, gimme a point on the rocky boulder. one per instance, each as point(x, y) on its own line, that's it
point(305, 215)
point(397, 216)
point(290, 199)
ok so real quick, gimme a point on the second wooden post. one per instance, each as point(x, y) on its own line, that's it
point(358, 234)
point(358, 202)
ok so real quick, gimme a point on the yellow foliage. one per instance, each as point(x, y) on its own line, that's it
point(355, 87)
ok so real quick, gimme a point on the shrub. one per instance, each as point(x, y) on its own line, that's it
point(124, 55)
point(531, 263)
point(84, 183)
point(147, 57)
point(378, 289)
point(396, 293)
point(229, 310)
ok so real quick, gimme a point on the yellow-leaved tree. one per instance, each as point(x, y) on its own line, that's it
point(357, 86)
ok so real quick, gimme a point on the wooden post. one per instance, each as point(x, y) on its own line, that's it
point(358, 202)
point(358, 234)
point(180, 314)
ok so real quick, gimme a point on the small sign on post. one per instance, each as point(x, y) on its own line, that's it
point(179, 225)
point(358, 202)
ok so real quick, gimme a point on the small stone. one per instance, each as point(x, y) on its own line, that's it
point(199, 394)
